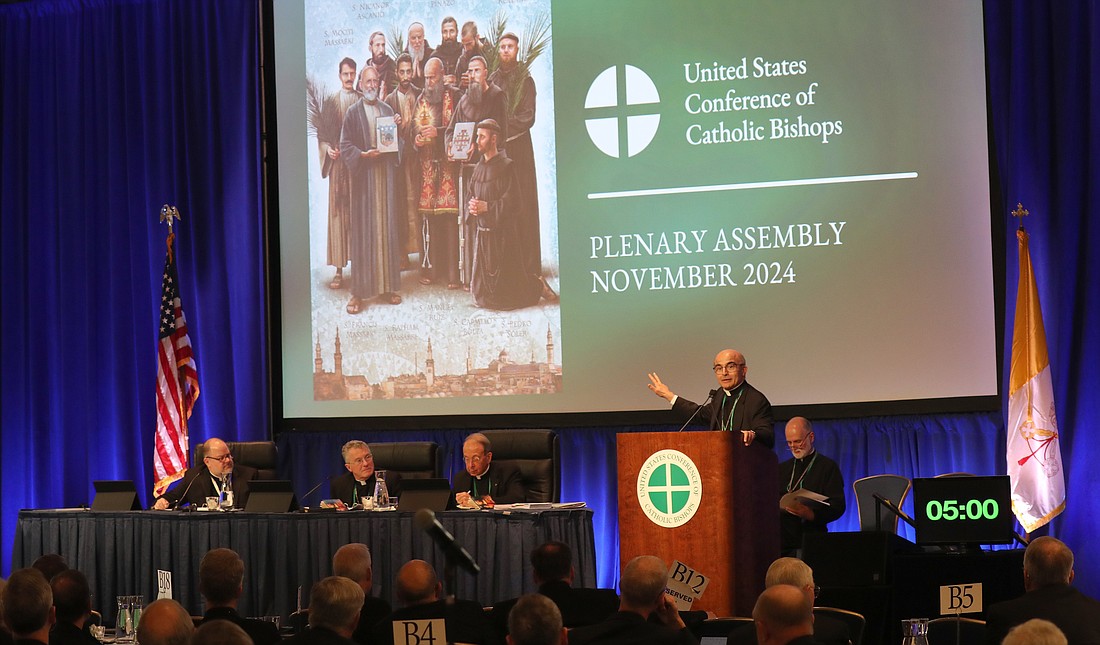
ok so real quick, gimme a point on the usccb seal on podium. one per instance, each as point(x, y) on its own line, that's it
point(669, 488)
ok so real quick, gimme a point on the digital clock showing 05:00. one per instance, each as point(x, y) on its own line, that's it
point(962, 509)
point(971, 509)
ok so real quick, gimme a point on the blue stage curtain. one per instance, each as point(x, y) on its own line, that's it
point(1044, 59)
point(109, 110)
point(112, 107)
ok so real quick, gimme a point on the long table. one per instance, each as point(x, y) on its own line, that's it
point(121, 552)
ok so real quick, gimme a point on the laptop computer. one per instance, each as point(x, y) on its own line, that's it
point(270, 496)
point(115, 495)
point(432, 493)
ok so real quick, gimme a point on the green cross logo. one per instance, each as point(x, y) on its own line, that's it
point(669, 488)
point(619, 105)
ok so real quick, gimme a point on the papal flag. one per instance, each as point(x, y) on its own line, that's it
point(1034, 458)
point(177, 382)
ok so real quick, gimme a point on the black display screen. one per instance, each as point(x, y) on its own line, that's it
point(957, 510)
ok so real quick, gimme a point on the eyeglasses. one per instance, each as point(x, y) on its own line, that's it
point(728, 367)
point(222, 459)
point(362, 460)
point(798, 443)
point(474, 459)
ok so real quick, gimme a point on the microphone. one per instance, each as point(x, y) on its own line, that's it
point(709, 397)
point(425, 519)
point(183, 496)
point(314, 489)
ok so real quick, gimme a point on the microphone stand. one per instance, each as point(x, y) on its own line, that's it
point(187, 489)
point(881, 501)
point(705, 403)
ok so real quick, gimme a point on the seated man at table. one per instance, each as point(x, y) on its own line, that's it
point(72, 600)
point(481, 482)
point(643, 594)
point(353, 561)
point(553, 572)
point(216, 477)
point(221, 581)
point(419, 592)
point(334, 604)
point(361, 477)
point(165, 622)
point(28, 607)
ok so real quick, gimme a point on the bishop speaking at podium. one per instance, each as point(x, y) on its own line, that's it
point(735, 406)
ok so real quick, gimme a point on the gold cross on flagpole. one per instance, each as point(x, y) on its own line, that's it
point(1020, 213)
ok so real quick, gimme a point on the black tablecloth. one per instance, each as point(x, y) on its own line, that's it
point(120, 552)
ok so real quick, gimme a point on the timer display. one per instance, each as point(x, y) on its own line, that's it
point(958, 510)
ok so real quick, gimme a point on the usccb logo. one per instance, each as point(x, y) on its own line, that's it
point(669, 488)
point(620, 111)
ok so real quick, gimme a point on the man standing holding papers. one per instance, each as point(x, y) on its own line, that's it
point(812, 471)
point(736, 406)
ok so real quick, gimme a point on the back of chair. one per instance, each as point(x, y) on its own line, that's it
point(892, 487)
point(537, 455)
point(411, 459)
point(261, 455)
point(854, 621)
point(955, 631)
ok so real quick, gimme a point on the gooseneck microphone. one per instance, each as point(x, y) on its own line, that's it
point(705, 403)
point(425, 519)
point(183, 496)
point(314, 489)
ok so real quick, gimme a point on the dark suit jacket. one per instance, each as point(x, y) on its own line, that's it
point(261, 633)
point(1077, 615)
point(67, 634)
point(318, 636)
point(827, 631)
point(753, 411)
point(505, 485)
point(628, 628)
point(579, 607)
point(375, 610)
point(466, 621)
point(346, 488)
point(204, 486)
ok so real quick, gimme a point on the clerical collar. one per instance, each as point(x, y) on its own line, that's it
point(736, 388)
point(801, 461)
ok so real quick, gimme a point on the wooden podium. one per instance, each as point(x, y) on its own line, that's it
point(733, 491)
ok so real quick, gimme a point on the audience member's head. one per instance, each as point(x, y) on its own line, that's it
point(535, 620)
point(352, 561)
point(334, 604)
point(1035, 632)
point(221, 576)
point(71, 597)
point(28, 605)
point(794, 572)
point(50, 565)
point(416, 584)
point(219, 632)
point(643, 584)
point(165, 622)
point(781, 614)
point(1047, 561)
point(551, 562)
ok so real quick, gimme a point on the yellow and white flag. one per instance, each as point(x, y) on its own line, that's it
point(1034, 458)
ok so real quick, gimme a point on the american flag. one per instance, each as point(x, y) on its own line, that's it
point(177, 382)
